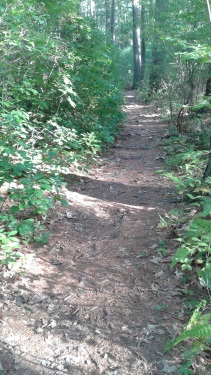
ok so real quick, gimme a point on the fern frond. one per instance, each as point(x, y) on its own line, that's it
point(198, 327)
point(200, 331)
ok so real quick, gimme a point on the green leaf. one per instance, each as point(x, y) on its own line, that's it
point(205, 275)
point(180, 256)
point(9, 151)
point(39, 194)
point(12, 233)
point(191, 196)
point(169, 344)
point(64, 202)
point(200, 331)
point(141, 255)
point(14, 209)
point(198, 327)
point(26, 181)
point(162, 306)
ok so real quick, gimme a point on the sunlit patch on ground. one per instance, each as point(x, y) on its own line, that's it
point(99, 297)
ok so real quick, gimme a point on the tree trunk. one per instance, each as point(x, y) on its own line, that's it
point(108, 17)
point(208, 83)
point(143, 44)
point(137, 75)
point(92, 8)
point(207, 171)
point(113, 4)
point(158, 53)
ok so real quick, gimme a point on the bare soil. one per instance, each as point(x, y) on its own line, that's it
point(100, 298)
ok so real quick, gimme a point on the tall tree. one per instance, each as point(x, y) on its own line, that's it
point(158, 52)
point(92, 8)
point(107, 17)
point(137, 75)
point(113, 6)
point(143, 39)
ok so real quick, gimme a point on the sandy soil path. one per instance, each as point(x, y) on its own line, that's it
point(100, 298)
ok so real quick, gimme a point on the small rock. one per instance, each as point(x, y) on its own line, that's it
point(38, 330)
point(52, 324)
point(125, 328)
point(1, 367)
point(69, 215)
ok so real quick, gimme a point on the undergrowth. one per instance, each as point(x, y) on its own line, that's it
point(60, 106)
point(186, 159)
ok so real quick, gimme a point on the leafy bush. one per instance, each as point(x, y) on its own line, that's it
point(60, 106)
point(186, 159)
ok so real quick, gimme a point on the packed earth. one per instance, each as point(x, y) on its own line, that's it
point(100, 297)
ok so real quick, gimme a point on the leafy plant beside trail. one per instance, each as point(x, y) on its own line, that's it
point(185, 92)
point(60, 105)
point(186, 158)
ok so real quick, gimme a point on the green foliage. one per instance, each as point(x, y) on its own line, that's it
point(162, 248)
point(60, 105)
point(197, 329)
point(196, 250)
point(183, 152)
point(186, 160)
point(178, 58)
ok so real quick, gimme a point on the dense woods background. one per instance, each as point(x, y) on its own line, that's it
point(63, 68)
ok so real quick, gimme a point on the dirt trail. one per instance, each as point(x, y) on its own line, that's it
point(99, 298)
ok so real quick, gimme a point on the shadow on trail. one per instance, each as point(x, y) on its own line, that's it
point(93, 301)
point(137, 193)
point(86, 305)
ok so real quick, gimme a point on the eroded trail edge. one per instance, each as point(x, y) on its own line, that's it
point(100, 298)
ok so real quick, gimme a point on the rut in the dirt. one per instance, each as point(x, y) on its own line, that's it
point(99, 298)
